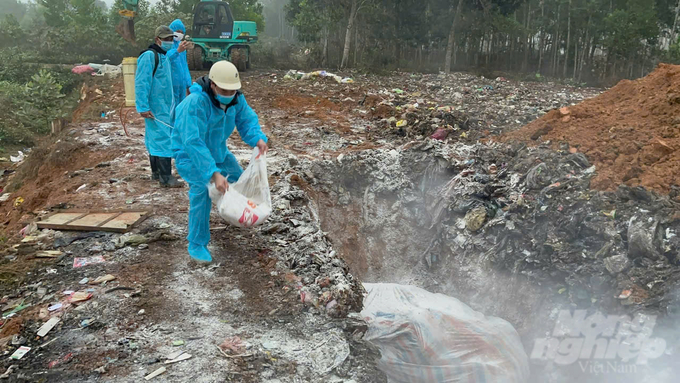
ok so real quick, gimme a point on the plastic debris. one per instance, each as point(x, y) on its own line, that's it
point(82, 262)
point(80, 296)
point(55, 307)
point(233, 344)
point(47, 326)
point(18, 158)
point(48, 254)
point(177, 343)
point(155, 373)
point(65, 359)
point(421, 334)
point(20, 352)
point(18, 201)
point(179, 358)
point(103, 279)
point(5, 197)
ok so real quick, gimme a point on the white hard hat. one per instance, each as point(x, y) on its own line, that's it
point(225, 75)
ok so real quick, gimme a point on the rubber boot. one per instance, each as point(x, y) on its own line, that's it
point(199, 253)
point(155, 176)
point(165, 171)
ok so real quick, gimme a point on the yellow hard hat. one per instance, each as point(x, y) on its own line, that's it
point(225, 75)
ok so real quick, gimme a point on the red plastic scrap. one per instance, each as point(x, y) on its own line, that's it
point(67, 358)
point(440, 134)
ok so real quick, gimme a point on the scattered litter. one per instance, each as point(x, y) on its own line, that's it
point(48, 254)
point(55, 307)
point(155, 373)
point(15, 310)
point(330, 352)
point(84, 281)
point(20, 352)
point(47, 326)
point(174, 354)
point(18, 201)
point(80, 296)
point(177, 343)
point(48, 343)
point(297, 75)
point(18, 158)
point(65, 359)
point(82, 262)
point(179, 358)
point(233, 344)
point(82, 69)
point(9, 371)
point(625, 294)
point(81, 188)
point(5, 197)
point(103, 279)
point(87, 322)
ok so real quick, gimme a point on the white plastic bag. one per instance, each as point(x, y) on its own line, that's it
point(433, 338)
point(247, 203)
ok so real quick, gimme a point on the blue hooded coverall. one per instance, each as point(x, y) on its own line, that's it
point(154, 93)
point(181, 77)
point(199, 143)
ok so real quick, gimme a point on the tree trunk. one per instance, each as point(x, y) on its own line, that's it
point(675, 24)
point(452, 36)
point(566, 59)
point(324, 54)
point(556, 43)
point(356, 43)
point(585, 49)
point(541, 46)
point(575, 56)
point(348, 33)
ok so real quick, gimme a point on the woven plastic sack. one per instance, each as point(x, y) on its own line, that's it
point(433, 338)
point(248, 202)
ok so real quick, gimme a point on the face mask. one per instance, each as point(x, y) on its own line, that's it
point(166, 45)
point(179, 36)
point(224, 100)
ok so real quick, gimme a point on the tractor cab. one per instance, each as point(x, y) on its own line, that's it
point(217, 36)
point(213, 20)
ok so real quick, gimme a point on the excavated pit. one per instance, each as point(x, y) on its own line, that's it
point(491, 226)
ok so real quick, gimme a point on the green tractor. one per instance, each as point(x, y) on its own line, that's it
point(216, 36)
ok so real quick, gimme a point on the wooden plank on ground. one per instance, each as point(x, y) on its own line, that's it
point(124, 220)
point(61, 218)
point(115, 221)
point(92, 219)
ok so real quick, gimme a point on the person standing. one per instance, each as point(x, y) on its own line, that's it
point(155, 102)
point(181, 77)
point(205, 120)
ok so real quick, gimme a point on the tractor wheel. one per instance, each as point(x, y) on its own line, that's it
point(195, 58)
point(238, 57)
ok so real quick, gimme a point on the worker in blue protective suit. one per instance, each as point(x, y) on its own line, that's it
point(155, 102)
point(181, 77)
point(204, 122)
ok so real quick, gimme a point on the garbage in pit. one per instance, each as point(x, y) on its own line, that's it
point(247, 202)
point(422, 335)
